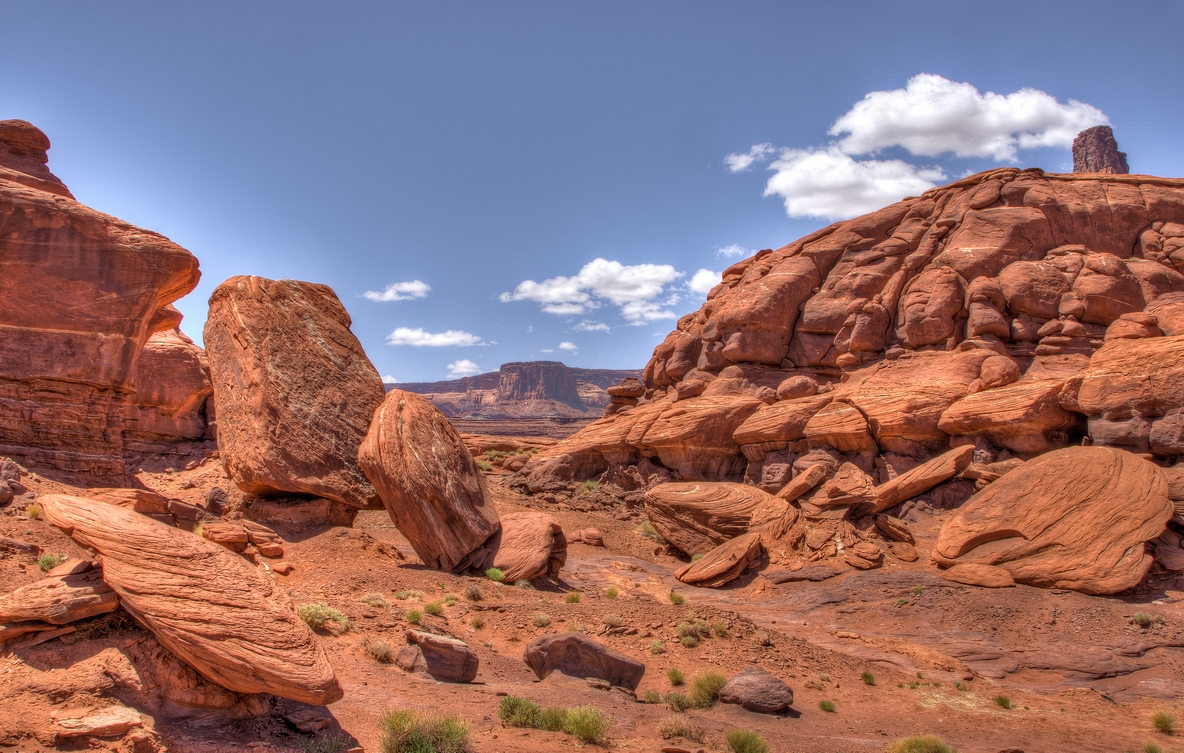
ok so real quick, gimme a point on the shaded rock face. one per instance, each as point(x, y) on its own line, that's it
point(209, 607)
point(577, 655)
point(173, 394)
point(81, 292)
point(1096, 151)
point(441, 657)
point(294, 389)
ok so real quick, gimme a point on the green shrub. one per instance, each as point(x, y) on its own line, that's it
point(675, 676)
point(1164, 721)
point(587, 723)
point(920, 744)
point(677, 599)
point(827, 706)
point(689, 641)
point(48, 562)
point(586, 487)
point(575, 626)
point(373, 600)
point(1142, 619)
point(573, 597)
point(434, 608)
point(697, 628)
point(1150, 748)
point(868, 678)
point(745, 741)
point(33, 511)
point(414, 616)
point(476, 622)
point(483, 465)
point(705, 688)
point(540, 620)
point(612, 592)
point(1002, 701)
point(678, 701)
point(518, 712)
point(696, 557)
point(404, 595)
point(720, 628)
point(653, 696)
point(423, 732)
point(379, 650)
point(552, 718)
point(673, 726)
point(657, 647)
point(495, 575)
point(323, 616)
point(473, 592)
point(450, 600)
point(612, 620)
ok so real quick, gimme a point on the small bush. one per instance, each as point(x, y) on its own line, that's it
point(612, 620)
point(48, 562)
point(675, 676)
point(827, 706)
point(657, 647)
point(323, 616)
point(920, 744)
point(495, 575)
point(587, 723)
point(696, 557)
point(483, 465)
point(1142, 619)
point(404, 595)
point(697, 628)
point(612, 592)
point(1150, 748)
point(689, 641)
point(552, 718)
point(414, 616)
point(678, 702)
point(1002, 701)
point(523, 583)
point(1164, 721)
point(423, 732)
point(476, 622)
point(374, 600)
point(540, 620)
point(199, 529)
point(473, 592)
point(575, 626)
point(332, 742)
point(677, 599)
point(380, 651)
point(518, 712)
point(33, 511)
point(434, 608)
point(918, 590)
point(868, 678)
point(653, 696)
point(646, 528)
point(720, 628)
point(586, 487)
point(705, 688)
point(573, 597)
point(450, 600)
point(746, 741)
point(673, 726)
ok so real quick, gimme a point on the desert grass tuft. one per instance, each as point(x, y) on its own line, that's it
point(705, 688)
point(675, 676)
point(324, 617)
point(1164, 721)
point(920, 744)
point(675, 725)
point(406, 731)
point(745, 741)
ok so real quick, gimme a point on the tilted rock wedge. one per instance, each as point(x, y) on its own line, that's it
point(209, 607)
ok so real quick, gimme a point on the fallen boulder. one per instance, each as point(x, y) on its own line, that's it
point(60, 600)
point(698, 516)
point(757, 690)
point(427, 480)
point(722, 564)
point(577, 655)
point(1074, 518)
point(212, 609)
point(441, 657)
point(923, 478)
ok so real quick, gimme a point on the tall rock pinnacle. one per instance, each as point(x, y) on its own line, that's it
point(1096, 151)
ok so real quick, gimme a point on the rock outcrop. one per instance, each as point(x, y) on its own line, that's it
point(210, 608)
point(696, 517)
point(428, 481)
point(1096, 151)
point(173, 399)
point(294, 390)
point(81, 292)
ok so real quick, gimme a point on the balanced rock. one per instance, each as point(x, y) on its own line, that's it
point(577, 655)
point(529, 545)
point(723, 564)
point(212, 609)
point(294, 389)
point(60, 600)
point(757, 690)
point(1074, 518)
point(427, 480)
point(695, 517)
point(441, 657)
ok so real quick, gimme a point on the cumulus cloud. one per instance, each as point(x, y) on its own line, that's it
point(636, 290)
point(463, 368)
point(703, 281)
point(591, 326)
point(565, 345)
point(388, 379)
point(828, 183)
point(933, 115)
point(733, 251)
point(400, 291)
point(420, 337)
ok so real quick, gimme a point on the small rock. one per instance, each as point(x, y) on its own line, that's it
point(283, 568)
point(757, 690)
point(308, 719)
point(113, 720)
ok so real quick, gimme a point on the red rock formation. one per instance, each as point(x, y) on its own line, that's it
point(294, 389)
point(172, 391)
point(1096, 151)
point(80, 294)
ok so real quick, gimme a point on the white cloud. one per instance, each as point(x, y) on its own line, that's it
point(547, 350)
point(388, 379)
point(565, 345)
point(703, 281)
point(591, 326)
point(733, 250)
point(827, 183)
point(933, 115)
point(400, 291)
point(463, 368)
point(758, 153)
point(634, 289)
point(419, 337)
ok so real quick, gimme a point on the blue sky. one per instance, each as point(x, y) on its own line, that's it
point(483, 156)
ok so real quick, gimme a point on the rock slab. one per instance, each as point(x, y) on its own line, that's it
point(757, 690)
point(577, 655)
point(441, 657)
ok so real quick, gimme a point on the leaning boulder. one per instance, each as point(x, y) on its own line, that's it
point(757, 690)
point(294, 389)
point(529, 545)
point(577, 655)
point(1074, 518)
point(443, 658)
point(427, 480)
point(723, 564)
point(698, 516)
point(923, 478)
point(212, 609)
point(59, 600)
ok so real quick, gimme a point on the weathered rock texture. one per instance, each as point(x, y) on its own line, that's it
point(441, 657)
point(80, 294)
point(1073, 518)
point(757, 690)
point(428, 481)
point(577, 655)
point(1096, 151)
point(173, 400)
point(294, 389)
point(209, 607)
